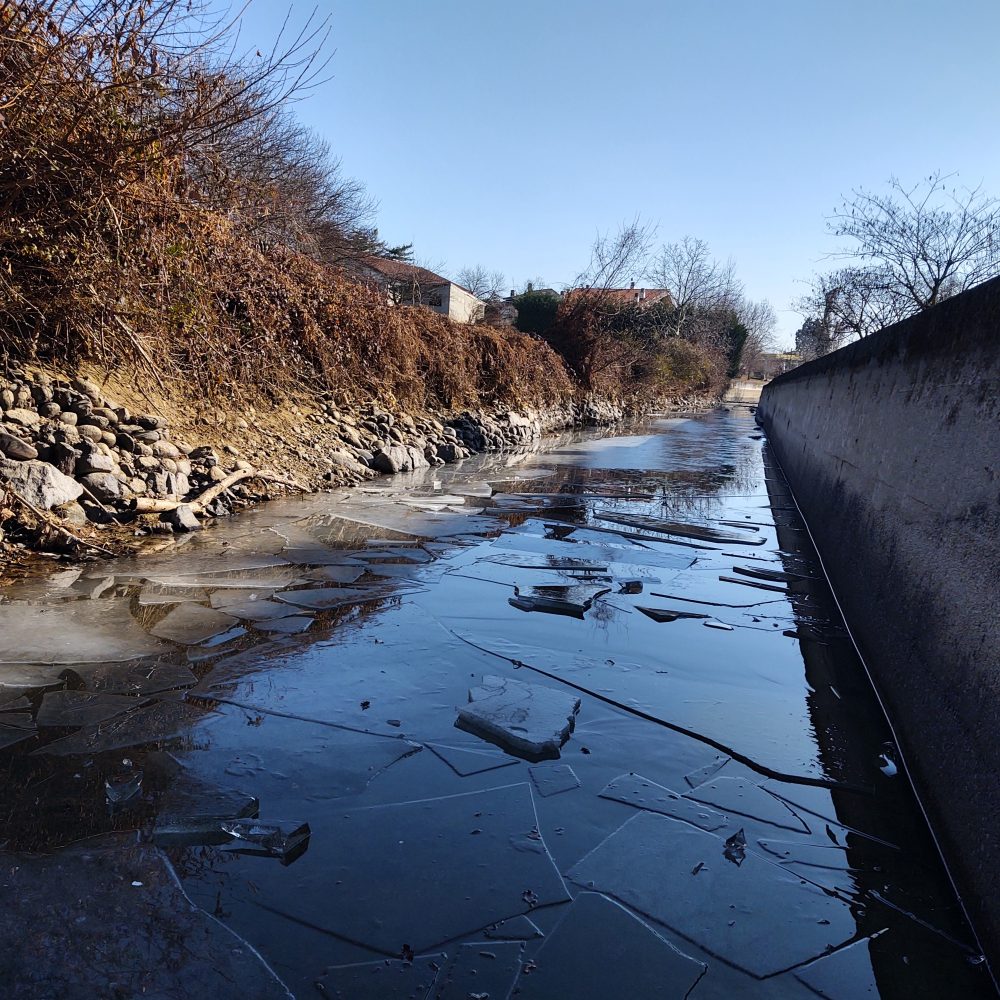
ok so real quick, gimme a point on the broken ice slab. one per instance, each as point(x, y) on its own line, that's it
point(756, 917)
point(684, 530)
point(79, 632)
point(153, 594)
point(699, 777)
point(385, 980)
point(190, 624)
point(10, 735)
point(668, 614)
point(847, 974)
point(600, 950)
point(471, 760)
point(774, 588)
point(528, 720)
point(548, 606)
point(140, 678)
point(446, 867)
point(161, 721)
point(481, 969)
point(551, 779)
point(252, 610)
point(15, 705)
point(773, 575)
point(277, 838)
point(721, 626)
point(190, 812)
point(82, 708)
point(17, 720)
point(796, 852)
point(337, 574)
point(326, 598)
point(120, 788)
point(743, 797)
point(519, 928)
point(292, 625)
point(635, 790)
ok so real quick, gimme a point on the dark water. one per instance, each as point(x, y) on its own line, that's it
point(727, 818)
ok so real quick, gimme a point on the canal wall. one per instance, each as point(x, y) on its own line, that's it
point(892, 449)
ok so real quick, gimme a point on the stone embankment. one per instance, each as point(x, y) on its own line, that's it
point(81, 462)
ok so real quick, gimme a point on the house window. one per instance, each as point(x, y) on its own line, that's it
point(434, 299)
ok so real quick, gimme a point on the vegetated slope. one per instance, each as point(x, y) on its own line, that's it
point(136, 229)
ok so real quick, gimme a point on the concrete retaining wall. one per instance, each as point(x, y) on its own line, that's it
point(892, 448)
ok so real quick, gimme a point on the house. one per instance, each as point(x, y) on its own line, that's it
point(641, 297)
point(408, 284)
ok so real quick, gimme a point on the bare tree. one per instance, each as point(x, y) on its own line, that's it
point(856, 301)
point(924, 242)
point(484, 284)
point(697, 282)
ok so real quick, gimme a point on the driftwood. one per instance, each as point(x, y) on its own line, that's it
point(149, 505)
point(50, 522)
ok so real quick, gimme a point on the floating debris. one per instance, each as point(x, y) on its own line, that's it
point(121, 788)
point(663, 615)
point(735, 848)
point(277, 838)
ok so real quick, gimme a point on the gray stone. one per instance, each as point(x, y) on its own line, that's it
point(15, 448)
point(39, 483)
point(68, 417)
point(90, 432)
point(96, 461)
point(87, 387)
point(164, 449)
point(22, 417)
point(103, 485)
point(63, 457)
point(72, 513)
point(182, 518)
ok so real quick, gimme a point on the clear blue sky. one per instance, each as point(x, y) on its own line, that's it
point(508, 133)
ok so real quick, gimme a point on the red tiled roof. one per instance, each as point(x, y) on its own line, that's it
point(641, 296)
point(398, 270)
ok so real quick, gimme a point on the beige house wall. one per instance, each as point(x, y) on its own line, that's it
point(461, 306)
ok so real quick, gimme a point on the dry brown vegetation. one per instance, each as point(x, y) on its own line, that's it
point(160, 209)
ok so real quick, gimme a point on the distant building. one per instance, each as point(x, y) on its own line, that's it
point(407, 284)
point(641, 297)
point(769, 366)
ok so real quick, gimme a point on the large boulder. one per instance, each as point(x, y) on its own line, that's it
point(104, 486)
point(39, 483)
point(14, 447)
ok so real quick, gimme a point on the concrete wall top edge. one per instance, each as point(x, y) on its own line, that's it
point(965, 322)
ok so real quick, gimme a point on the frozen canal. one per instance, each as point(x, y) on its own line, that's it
point(573, 725)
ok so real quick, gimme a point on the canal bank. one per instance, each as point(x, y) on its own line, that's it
point(892, 449)
point(669, 768)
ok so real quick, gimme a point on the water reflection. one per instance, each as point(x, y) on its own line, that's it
point(304, 664)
